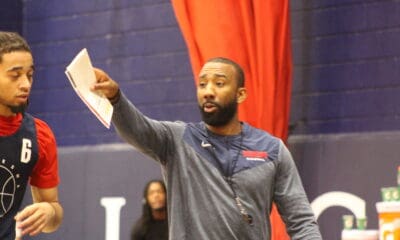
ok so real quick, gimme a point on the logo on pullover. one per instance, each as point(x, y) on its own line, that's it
point(255, 155)
point(205, 144)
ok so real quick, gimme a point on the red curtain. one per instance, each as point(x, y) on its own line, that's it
point(255, 34)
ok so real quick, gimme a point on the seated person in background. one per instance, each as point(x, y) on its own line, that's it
point(153, 224)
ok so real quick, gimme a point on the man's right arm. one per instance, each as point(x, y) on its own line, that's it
point(149, 136)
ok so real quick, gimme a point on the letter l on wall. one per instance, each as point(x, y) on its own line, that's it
point(113, 207)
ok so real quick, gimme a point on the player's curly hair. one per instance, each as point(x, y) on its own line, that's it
point(12, 42)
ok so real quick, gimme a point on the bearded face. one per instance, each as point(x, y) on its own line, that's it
point(221, 115)
point(218, 94)
point(19, 108)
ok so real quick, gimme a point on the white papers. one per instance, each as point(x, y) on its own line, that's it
point(81, 76)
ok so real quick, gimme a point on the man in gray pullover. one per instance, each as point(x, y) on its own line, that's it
point(222, 175)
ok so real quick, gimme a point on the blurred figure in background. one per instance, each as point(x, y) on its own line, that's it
point(153, 224)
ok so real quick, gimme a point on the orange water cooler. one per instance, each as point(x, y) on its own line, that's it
point(389, 220)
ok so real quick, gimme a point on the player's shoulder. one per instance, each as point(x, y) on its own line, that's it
point(259, 133)
point(41, 124)
point(43, 129)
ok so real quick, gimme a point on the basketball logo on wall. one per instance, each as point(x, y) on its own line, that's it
point(8, 187)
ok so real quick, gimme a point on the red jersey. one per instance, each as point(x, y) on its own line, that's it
point(45, 172)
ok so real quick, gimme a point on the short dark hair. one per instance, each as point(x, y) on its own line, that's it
point(239, 71)
point(11, 42)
